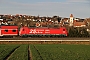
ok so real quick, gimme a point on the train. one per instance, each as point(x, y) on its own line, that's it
point(25, 31)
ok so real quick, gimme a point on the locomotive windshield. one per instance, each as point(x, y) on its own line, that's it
point(23, 29)
point(63, 29)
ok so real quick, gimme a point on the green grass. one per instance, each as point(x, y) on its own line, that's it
point(46, 52)
point(35, 54)
point(20, 54)
point(63, 52)
point(5, 50)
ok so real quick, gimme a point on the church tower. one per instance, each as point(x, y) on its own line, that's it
point(71, 20)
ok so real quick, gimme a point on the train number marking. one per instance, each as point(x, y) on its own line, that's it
point(34, 31)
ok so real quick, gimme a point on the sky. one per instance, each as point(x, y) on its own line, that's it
point(62, 8)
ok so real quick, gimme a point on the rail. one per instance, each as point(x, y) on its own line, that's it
point(45, 40)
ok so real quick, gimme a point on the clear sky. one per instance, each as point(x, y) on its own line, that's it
point(62, 8)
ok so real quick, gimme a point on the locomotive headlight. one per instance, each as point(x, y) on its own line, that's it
point(63, 30)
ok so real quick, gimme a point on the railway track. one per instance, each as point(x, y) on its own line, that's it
point(28, 39)
point(45, 40)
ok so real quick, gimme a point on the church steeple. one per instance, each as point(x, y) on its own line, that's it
point(71, 15)
point(71, 19)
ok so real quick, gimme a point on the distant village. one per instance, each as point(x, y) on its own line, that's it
point(50, 22)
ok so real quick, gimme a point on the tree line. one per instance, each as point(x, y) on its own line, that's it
point(78, 32)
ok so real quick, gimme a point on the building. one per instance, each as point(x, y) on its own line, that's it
point(71, 20)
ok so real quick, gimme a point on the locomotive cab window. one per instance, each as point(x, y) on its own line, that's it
point(13, 30)
point(63, 29)
point(23, 29)
point(6, 30)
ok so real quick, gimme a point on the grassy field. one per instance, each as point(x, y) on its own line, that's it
point(5, 50)
point(61, 52)
point(45, 52)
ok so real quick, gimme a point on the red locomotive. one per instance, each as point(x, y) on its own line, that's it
point(26, 31)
